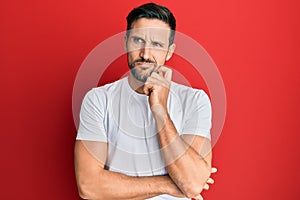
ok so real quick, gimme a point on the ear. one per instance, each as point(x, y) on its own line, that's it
point(170, 51)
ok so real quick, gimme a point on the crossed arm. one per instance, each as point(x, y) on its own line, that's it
point(187, 158)
point(95, 182)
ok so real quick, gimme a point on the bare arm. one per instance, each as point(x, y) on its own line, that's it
point(188, 158)
point(188, 161)
point(94, 182)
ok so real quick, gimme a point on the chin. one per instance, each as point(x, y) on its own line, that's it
point(142, 77)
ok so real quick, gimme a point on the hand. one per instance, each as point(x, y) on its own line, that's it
point(206, 186)
point(210, 180)
point(157, 87)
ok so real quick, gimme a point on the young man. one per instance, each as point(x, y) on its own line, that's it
point(145, 136)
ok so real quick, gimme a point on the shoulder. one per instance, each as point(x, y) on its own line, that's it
point(184, 92)
point(103, 93)
point(110, 87)
point(107, 88)
point(196, 109)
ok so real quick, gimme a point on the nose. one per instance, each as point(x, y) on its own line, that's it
point(145, 52)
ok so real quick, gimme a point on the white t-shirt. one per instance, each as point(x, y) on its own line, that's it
point(119, 116)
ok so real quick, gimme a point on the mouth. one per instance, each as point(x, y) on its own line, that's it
point(145, 65)
point(142, 69)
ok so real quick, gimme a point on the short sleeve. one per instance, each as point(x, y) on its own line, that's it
point(198, 115)
point(91, 125)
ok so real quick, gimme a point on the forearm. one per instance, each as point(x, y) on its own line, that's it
point(112, 185)
point(187, 168)
point(95, 182)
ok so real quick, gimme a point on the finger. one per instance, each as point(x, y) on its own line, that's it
point(157, 76)
point(210, 181)
point(160, 72)
point(157, 68)
point(199, 197)
point(147, 88)
point(214, 170)
point(206, 186)
point(166, 72)
point(156, 79)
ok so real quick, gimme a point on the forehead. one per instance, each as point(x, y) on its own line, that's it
point(151, 27)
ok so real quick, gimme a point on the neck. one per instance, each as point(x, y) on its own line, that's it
point(135, 84)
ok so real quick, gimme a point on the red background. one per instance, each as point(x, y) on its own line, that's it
point(255, 45)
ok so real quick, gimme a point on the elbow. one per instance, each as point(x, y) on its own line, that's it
point(87, 191)
point(194, 186)
point(192, 190)
point(84, 190)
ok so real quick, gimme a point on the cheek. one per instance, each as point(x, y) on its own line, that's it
point(160, 57)
point(132, 55)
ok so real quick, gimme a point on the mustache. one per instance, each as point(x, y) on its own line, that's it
point(144, 60)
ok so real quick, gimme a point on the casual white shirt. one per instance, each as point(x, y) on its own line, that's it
point(122, 118)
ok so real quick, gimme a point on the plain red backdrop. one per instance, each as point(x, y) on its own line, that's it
point(255, 45)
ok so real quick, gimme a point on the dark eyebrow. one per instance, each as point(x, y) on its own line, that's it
point(137, 37)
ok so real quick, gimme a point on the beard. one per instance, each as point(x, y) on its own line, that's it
point(140, 73)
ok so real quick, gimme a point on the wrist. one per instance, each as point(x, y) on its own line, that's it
point(167, 186)
point(160, 114)
point(159, 111)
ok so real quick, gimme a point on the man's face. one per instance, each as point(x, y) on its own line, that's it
point(148, 47)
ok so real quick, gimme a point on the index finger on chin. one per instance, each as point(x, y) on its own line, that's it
point(166, 71)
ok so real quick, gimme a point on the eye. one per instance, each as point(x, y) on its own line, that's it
point(138, 40)
point(157, 44)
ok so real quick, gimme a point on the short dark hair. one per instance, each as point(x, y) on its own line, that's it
point(153, 11)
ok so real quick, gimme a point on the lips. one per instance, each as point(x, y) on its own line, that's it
point(145, 65)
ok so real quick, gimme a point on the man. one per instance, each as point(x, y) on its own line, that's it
point(145, 136)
